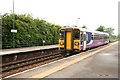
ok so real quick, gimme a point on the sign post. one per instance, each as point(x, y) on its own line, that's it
point(43, 42)
point(13, 31)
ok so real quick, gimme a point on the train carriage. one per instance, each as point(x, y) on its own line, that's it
point(76, 39)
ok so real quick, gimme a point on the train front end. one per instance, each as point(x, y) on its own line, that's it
point(69, 40)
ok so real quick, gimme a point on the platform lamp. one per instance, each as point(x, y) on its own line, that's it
point(77, 22)
point(13, 30)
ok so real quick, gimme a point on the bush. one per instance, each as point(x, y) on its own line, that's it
point(30, 31)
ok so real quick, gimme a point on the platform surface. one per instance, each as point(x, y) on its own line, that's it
point(101, 65)
point(26, 49)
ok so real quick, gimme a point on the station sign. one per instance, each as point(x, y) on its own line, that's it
point(13, 30)
point(43, 41)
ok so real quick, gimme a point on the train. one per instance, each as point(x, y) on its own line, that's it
point(75, 39)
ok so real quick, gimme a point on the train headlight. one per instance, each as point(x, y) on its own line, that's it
point(76, 43)
point(61, 43)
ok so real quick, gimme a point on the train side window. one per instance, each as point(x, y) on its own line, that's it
point(61, 34)
point(77, 34)
point(92, 37)
point(96, 37)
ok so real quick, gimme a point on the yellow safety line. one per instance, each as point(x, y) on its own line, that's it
point(55, 69)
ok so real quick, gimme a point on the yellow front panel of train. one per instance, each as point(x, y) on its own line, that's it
point(68, 40)
point(61, 44)
point(77, 44)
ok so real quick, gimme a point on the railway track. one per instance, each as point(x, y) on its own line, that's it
point(31, 62)
point(18, 66)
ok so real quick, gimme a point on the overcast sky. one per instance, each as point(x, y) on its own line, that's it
point(92, 13)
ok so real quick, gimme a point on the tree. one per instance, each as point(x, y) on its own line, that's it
point(84, 27)
point(101, 29)
point(109, 31)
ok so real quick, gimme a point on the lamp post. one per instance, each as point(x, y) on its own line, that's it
point(13, 30)
point(77, 22)
point(0, 31)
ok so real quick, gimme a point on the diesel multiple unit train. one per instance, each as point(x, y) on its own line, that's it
point(72, 39)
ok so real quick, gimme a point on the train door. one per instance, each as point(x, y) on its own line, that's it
point(68, 40)
point(84, 40)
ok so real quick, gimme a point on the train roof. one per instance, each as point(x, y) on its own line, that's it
point(84, 29)
point(98, 32)
point(69, 28)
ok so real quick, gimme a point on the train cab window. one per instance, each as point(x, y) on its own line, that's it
point(77, 34)
point(61, 34)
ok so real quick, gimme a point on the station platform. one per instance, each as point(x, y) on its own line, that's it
point(101, 62)
point(26, 49)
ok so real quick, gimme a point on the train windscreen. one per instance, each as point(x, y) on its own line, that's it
point(61, 35)
point(77, 34)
